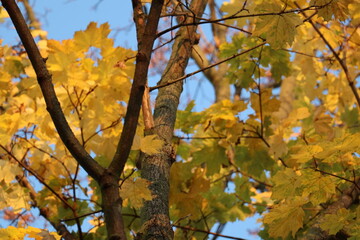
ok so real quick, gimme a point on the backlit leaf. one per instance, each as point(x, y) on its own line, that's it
point(278, 29)
point(151, 144)
point(136, 191)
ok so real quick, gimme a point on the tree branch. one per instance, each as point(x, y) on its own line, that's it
point(45, 81)
point(137, 90)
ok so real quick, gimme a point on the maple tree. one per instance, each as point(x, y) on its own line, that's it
point(283, 144)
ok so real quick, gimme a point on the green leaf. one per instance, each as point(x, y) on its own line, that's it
point(333, 223)
point(278, 60)
point(318, 188)
point(286, 184)
point(186, 120)
point(212, 155)
point(253, 161)
point(285, 218)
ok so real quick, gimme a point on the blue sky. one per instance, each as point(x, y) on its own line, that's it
point(61, 18)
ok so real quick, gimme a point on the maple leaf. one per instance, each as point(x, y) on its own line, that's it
point(317, 187)
point(3, 14)
point(286, 184)
point(303, 154)
point(92, 36)
point(187, 193)
point(150, 144)
point(277, 145)
point(212, 154)
point(333, 223)
point(136, 191)
point(285, 218)
point(328, 8)
point(278, 29)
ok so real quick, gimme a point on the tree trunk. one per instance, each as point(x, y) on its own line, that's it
point(156, 168)
point(112, 205)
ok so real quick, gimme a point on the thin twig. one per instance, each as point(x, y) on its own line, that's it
point(207, 232)
point(205, 68)
point(337, 176)
point(342, 62)
point(39, 178)
point(207, 21)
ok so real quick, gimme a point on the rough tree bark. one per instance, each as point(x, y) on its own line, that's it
point(156, 168)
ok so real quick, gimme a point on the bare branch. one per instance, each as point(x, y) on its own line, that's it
point(137, 90)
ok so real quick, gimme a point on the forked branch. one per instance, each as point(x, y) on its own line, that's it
point(139, 84)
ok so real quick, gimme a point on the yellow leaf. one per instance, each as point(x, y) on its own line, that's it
point(93, 36)
point(318, 188)
point(302, 113)
point(186, 193)
point(334, 222)
point(354, 9)
point(328, 8)
point(306, 153)
point(136, 191)
point(286, 184)
point(322, 122)
point(13, 233)
point(9, 171)
point(151, 144)
point(268, 102)
point(278, 29)
point(3, 14)
point(38, 33)
point(41, 234)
